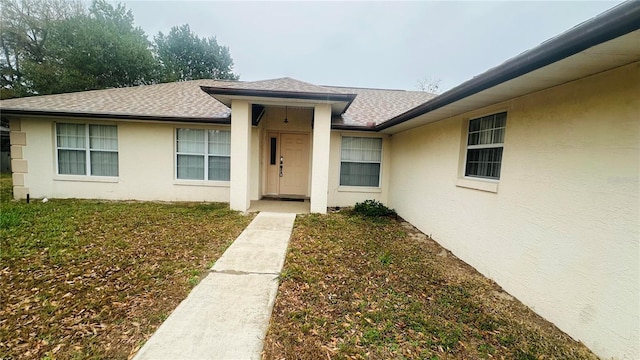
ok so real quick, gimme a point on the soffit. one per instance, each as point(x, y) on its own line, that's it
point(606, 56)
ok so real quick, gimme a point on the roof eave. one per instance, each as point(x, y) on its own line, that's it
point(225, 95)
point(616, 22)
point(353, 127)
point(67, 114)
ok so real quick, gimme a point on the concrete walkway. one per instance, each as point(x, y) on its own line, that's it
point(226, 316)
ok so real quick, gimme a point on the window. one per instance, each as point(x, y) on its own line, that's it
point(274, 149)
point(83, 149)
point(360, 161)
point(484, 146)
point(203, 154)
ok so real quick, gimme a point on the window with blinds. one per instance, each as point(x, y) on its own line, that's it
point(203, 154)
point(87, 150)
point(485, 142)
point(360, 161)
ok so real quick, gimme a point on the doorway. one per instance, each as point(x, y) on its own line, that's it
point(287, 163)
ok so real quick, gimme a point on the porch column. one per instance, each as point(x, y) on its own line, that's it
point(240, 152)
point(320, 164)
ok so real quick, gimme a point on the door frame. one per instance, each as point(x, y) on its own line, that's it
point(268, 168)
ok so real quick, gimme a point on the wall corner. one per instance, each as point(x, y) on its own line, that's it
point(19, 165)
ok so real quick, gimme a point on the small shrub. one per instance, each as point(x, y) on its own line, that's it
point(373, 208)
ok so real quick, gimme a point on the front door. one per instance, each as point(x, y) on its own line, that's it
point(288, 175)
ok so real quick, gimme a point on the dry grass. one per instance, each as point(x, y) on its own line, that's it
point(93, 280)
point(355, 288)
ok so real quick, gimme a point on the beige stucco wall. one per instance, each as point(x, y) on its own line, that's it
point(349, 195)
point(240, 184)
point(146, 155)
point(320, 151)
point(562, 231)
point(147, 163)
point(255, 173)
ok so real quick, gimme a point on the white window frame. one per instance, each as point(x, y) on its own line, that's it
point(205, 154)
point(483, 146)
point(87, 149)
point(345, 187)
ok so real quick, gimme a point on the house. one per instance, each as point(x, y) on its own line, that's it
point(529, 172)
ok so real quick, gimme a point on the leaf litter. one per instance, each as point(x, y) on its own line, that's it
point(94, 279)
point(357, 288)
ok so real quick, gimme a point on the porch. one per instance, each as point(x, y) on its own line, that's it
point(302, 206)
point(280, 143)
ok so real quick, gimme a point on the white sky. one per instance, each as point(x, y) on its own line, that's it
point(369, 44)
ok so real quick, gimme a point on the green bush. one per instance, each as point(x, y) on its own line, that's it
point(373, 208)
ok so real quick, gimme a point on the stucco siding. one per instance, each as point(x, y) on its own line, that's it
point(255, 174)
point(146, 156)
point(562, 231)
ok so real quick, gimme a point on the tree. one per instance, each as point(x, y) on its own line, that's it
point(429, 84)
point(55, 46)
point(24, 29)
point(185, 56)
point(97, 50)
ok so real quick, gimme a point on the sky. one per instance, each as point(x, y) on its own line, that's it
point(388, 45)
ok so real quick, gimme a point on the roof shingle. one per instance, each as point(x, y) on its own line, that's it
point(378, 105)
point(281, 84)
point(177, 99)
point(187, 100)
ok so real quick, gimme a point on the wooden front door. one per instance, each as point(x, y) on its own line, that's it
point(288, 175)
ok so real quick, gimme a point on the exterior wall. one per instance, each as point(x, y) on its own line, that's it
point(561, 230)
point(19, 165)
point(349, 195)
point(320, 151)
point(300, 122)
point(146, 155)
point(254, 164)
point(299, 119)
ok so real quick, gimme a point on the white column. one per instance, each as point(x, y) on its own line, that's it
point(320, 165)
point(240, 152)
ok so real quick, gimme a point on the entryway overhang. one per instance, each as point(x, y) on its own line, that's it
point(244, 101)
point(339, 102)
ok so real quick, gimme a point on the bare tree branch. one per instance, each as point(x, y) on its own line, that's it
point(429, 84)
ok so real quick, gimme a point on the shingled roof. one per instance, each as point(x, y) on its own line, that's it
point(177, 100)
point(185, 101)
point(280, 84)
point(378, 105)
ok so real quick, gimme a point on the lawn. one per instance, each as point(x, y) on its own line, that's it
point(94, 279)
point(353, 288)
